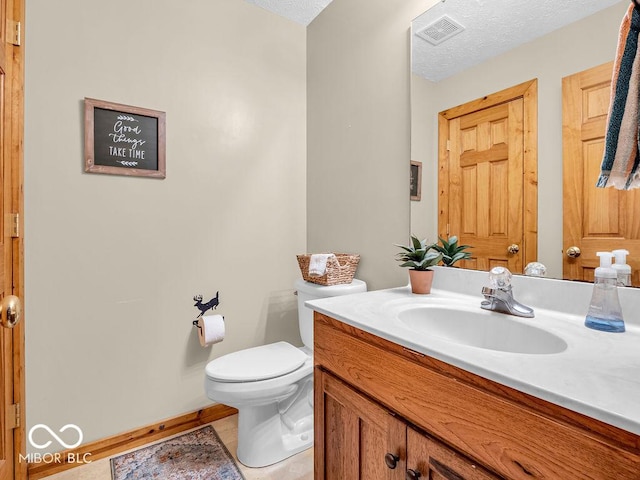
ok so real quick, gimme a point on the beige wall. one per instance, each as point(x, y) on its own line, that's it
point(579, 46)
point(359, 133)
point(112, 263)
point(424, 149)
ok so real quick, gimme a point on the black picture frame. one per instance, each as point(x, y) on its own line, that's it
point(415, 181)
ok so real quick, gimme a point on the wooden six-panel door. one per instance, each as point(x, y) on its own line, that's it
point(488, 177)
point(594, 219)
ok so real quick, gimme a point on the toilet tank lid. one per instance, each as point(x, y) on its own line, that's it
point(257, 363)
point(321, 291)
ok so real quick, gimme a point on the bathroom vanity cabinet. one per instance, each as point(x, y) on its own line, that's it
point(383, 411)
point(386, 446)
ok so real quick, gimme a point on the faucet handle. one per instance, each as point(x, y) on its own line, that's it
point(535, 269)
point(488, 291)
point(500, 277)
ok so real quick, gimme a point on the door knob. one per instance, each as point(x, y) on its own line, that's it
point(412, 475)
point(573, 252)
point(513, 248)
point(10, 311)
point(391, 460)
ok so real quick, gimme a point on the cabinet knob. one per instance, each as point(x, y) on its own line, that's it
point(412, 475)
point(391, 460)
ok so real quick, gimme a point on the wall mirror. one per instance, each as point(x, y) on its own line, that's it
point(464, 50)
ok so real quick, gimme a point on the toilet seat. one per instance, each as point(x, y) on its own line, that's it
point(255, 364)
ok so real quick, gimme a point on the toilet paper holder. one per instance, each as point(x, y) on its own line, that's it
point(203, 307)
point(211, 329)
point(197, 324)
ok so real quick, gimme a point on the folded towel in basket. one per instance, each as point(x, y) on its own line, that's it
point(318, 264)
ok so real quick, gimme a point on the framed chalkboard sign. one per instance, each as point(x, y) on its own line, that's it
point(124, 140)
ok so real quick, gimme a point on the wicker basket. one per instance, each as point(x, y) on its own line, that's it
point(340, 269)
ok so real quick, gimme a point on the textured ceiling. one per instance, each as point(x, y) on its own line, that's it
point(300, 11)
point(491, 27)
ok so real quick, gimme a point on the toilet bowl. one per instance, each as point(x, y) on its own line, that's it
point(272, 387)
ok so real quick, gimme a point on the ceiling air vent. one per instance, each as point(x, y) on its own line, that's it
point(442, 29)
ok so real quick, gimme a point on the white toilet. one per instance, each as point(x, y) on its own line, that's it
point(272, 387)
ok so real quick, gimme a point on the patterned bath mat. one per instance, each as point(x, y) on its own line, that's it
point(197, 455)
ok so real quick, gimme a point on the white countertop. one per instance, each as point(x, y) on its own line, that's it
point(597, 375)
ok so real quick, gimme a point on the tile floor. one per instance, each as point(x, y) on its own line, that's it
point(298, 467)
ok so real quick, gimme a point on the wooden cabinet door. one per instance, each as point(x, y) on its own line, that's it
point(430, 460)
point(355, 437)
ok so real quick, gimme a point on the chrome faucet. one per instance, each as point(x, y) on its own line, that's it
point(499, 296)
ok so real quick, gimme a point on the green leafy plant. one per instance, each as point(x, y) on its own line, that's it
point(418, 255)
point(451, 251)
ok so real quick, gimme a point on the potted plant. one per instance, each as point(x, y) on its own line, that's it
point(451, 251)
point(419, 257)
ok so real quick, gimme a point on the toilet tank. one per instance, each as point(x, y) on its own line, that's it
point(311, 291)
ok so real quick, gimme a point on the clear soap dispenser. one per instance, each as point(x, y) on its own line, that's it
point(622, 269)
point(604, 311)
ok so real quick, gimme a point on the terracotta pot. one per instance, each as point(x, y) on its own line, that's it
point(421, 280)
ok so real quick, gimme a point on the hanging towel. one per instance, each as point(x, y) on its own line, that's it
point(620, 162)
point(318, 264)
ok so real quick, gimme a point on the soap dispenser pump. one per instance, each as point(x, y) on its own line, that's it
point(604, 312)
point(622, 269)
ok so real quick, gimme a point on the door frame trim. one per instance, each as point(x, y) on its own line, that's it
point(14, 118)
point(528, 91)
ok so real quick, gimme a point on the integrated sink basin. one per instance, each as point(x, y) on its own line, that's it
point(481, 329)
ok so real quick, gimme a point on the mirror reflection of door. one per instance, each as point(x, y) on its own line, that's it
point(487, 180)
point(595, 219)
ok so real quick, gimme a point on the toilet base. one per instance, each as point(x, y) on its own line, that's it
point(265, 439)
point(275, 415)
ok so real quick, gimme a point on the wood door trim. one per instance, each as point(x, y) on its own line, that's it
point(15, 151)
point(528, 91)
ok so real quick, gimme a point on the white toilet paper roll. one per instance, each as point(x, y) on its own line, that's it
point(210, 329)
